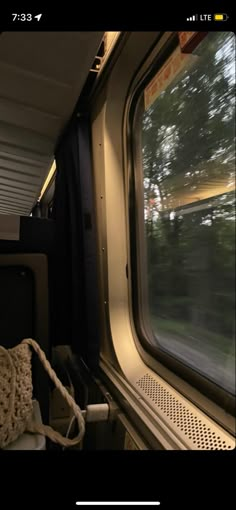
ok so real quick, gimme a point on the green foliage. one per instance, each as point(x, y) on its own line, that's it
point(188, 140)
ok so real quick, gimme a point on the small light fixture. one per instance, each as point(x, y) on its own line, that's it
point(47, 180)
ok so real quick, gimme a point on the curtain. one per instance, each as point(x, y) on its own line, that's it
point(75, 310)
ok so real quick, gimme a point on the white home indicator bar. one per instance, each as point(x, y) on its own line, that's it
point(118, 503)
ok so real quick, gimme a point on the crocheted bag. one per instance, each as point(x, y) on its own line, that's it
point(16, 392)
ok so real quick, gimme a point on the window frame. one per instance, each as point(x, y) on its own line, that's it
point(157, 357)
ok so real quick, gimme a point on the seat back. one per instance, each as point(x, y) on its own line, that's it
point(24, 312)
point(24, 296)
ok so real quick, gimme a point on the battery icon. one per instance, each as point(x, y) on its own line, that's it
point(221, 17)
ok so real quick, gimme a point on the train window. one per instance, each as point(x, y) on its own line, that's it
point(187, 152)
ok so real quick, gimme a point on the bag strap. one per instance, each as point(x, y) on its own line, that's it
point(46, 429)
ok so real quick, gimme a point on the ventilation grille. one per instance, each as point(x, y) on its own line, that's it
point(189, 422)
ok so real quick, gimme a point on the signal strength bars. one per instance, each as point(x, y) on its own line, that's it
point(193, 18)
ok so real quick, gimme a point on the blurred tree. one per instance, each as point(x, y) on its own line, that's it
point(188, 146)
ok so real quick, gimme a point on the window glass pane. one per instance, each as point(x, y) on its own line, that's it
point(188, 152)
